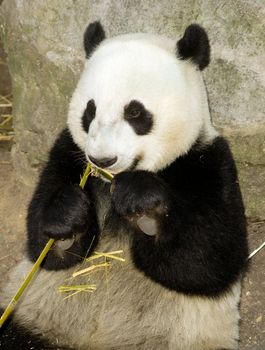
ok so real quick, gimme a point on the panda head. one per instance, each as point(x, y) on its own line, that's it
point(140, 102)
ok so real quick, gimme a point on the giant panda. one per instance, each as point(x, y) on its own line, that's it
point(174, 207)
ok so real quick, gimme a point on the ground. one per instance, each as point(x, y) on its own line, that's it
point(13, 204)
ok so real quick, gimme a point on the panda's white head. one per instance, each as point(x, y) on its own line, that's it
point(141, 101)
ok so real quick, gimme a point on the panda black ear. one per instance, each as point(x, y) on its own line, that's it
point(195, 45)
point(93, 36)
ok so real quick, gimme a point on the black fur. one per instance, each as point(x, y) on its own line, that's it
point(138, 117)
point(201, 247)
point(93, 36)
point(60, 209)
point(13, 337)
point(139, 192)
point(89, 114)
point(195, 45)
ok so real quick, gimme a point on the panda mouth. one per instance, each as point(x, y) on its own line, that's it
point(115, 171)
point(117, 167)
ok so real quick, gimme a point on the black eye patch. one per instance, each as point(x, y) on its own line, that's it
point(89, 114)
point(138, 117)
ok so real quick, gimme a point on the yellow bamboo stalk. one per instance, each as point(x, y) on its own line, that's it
point(5, 105)
point(111, 255)
point(34, 269)
point(85, 176)
point(90, 288)
point(89, 269)
point(6, 99)
point(37, 264)
point(7, 119)
point(102, 172)
point(66, 289)
point(6, 137)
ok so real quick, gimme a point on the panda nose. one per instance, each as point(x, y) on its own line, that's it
point(103, 162)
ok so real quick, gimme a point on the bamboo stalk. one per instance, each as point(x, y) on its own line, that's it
point(256, 250)
point(37, 264)
point(111, 255)
point(89, 269)
point(105, 173)
point(6, 99)
point(6, 137)
point(5, 105)
point(85, 176)
point(6, 120)
point(14, 300)
point(90, 288)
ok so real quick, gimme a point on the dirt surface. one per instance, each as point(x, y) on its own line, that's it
point(12, 217)
point(13, 203)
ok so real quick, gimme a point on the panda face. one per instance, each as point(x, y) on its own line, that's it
point(137, 106)
point(112, 142)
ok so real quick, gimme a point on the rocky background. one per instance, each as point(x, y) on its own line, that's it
point(43, 40)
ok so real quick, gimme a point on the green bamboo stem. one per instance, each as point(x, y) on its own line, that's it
point(37, 264)
point(85, 176)
point(104, 173)
point(34, 269)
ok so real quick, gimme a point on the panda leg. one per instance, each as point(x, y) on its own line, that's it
point(14, 337)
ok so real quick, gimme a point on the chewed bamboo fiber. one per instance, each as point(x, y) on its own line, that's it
point(75, 289)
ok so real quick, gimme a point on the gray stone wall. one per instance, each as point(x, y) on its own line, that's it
point(5, 84)
point(43, 40)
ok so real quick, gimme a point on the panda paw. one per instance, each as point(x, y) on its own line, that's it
point(139, 193)
point(66, 213)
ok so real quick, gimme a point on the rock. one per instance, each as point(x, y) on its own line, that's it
point(5, 84)
point(43, 40)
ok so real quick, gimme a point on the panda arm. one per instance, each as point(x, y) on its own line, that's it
point(60, 208)
point(200, 247)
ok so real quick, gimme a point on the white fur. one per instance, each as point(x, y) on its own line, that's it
point(127, 311)
point(144, 68)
